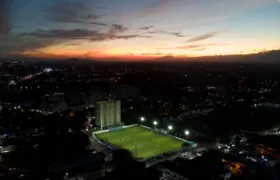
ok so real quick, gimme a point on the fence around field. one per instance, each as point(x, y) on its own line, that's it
point(193, 144)
point(151, 160)
point(114, 129)
point(190, 142)
point(108, 144)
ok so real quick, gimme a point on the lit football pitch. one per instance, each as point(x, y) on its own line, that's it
point(141, 142)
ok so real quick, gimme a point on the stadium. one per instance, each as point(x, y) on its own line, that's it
point(143, 142)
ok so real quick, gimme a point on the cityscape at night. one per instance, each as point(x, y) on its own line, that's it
point(148, 90)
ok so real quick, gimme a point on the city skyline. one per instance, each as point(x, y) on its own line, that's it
point(137, 30)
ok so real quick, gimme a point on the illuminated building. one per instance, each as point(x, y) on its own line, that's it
point(107, 113)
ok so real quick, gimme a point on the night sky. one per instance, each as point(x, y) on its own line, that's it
point(142, 29)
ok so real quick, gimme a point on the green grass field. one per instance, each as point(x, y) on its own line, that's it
point(141, 142)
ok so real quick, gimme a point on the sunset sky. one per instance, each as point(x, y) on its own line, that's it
point(142, 29)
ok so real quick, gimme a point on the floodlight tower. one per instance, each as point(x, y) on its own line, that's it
point(170, 127)
point(155, 123)
point(142, 119)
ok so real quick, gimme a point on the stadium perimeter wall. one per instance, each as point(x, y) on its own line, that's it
point(107, 144)
point(114, 129)
point(193, 144)
point(152, 160)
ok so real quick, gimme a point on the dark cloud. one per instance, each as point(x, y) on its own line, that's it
point(204, 36)
point(73, 12)
point(44, 38)
point(5, 16)
point(91, 53)
point(200, 49)
point(98, 23)
point(62, 34)
point(33, 41)
point(92, 17)
point(146, 27)
point(117, 28)
point(156, 32)
point(17, 44)
point(176, 34)
point(37, 52)
point(73, 44)
point(82, 34)
point(104, 37)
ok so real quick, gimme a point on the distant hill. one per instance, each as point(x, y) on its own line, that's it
point(268, 57)
point(166, 58)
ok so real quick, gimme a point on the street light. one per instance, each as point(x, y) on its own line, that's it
point(155, 123)
point(187, 132)
point(170, 127)
point(142, 119)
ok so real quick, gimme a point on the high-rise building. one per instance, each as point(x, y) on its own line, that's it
point(51, 103)
point(107, 113)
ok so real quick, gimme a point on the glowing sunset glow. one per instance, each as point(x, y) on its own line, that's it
point(137, 30)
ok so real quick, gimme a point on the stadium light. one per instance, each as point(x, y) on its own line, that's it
point(170, 127)
point(187, 132)
point(155, 123)
point(142, 119)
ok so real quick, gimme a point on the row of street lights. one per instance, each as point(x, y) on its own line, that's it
point(170, 128)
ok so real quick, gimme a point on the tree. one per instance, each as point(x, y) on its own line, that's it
point(237, 141)
point(122, 157)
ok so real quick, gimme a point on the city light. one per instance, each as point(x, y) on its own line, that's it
point(187, 132)
point(47, 70)
point(142, 119)
point(155, 123)
point(170, 127)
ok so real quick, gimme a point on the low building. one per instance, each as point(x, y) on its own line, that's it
point(86, 168)
point(205, 167)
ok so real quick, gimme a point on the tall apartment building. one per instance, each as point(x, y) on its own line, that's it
point(107, 113)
